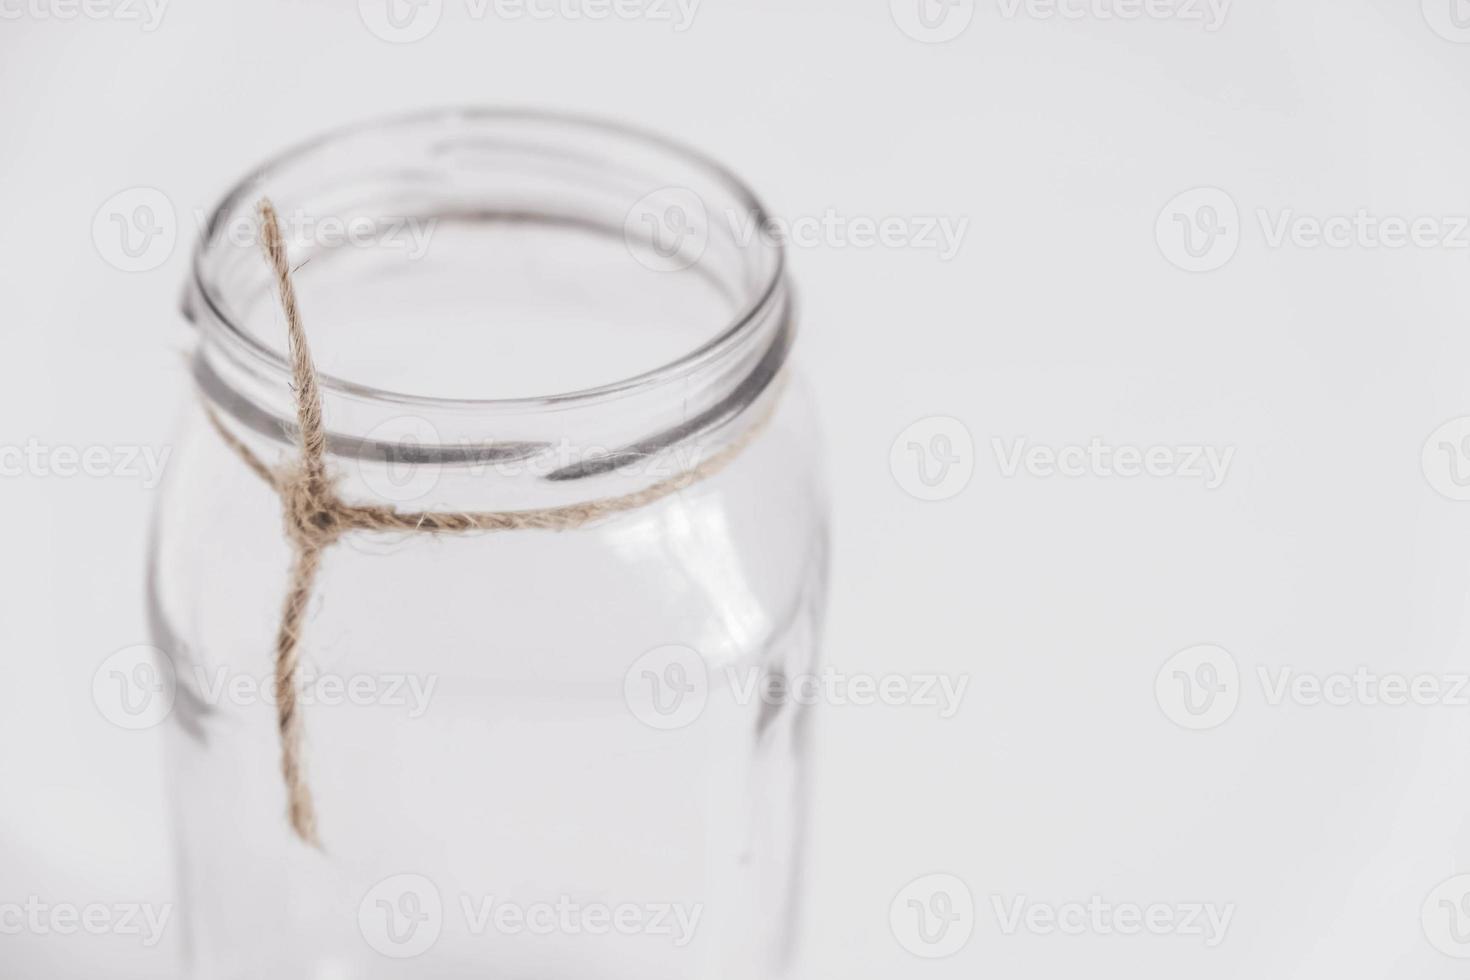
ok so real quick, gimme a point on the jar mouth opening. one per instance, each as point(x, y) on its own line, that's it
point(672, 229)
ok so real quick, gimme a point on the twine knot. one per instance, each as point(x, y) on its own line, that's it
point(315, 518)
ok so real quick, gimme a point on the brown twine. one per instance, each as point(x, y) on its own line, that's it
point(316, 517)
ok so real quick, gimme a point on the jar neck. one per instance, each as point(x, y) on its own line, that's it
point(418, 451)
point(554, 453)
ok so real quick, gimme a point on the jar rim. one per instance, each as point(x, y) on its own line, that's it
point(758, 303)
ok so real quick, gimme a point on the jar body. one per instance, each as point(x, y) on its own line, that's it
point(510, 721)
point(533, 753)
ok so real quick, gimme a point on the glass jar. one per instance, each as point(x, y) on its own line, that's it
point(533, 753)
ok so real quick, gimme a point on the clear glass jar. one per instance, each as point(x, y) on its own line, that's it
point(533, 753)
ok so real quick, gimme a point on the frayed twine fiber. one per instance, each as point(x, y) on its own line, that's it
point(316, 517)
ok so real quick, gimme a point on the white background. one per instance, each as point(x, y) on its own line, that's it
point(1064, 316)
